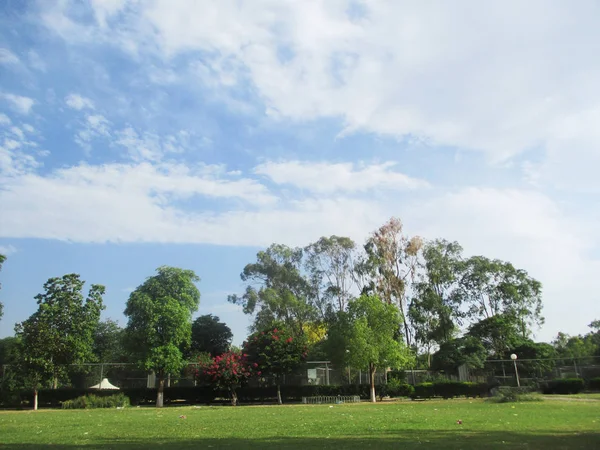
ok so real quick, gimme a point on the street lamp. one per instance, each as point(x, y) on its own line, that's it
point(514, 358)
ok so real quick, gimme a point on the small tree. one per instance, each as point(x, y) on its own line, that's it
point(160, 321)
point(274, 352)
point(2, 259)
point(210, 335)
point(60, 332)
point(366, 336)
point(226, 371)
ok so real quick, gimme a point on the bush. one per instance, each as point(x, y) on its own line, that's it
point(564, 386)
point(395, 388)
point(594, 384)
point(512, 395)
point(92, 401)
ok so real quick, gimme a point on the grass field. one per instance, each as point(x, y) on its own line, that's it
point(405, 425)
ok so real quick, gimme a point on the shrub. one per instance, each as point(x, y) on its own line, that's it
point(564, 386)
point(92, 401)
point(395, 388)
point(594, 384)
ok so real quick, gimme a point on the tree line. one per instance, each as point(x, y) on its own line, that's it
point(397, 301)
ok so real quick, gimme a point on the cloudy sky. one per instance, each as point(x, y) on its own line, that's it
point(194, 133)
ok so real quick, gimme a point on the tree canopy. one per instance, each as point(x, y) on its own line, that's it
point(209, 335)
point(160, 321)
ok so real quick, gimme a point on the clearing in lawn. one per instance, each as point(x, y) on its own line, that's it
point(406, 425)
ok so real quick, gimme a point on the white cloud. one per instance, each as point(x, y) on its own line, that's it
point(35, 61)
point(150, 146)
point(76, 101)
point(453, 75)
point(4, 119)
point(94, 126)
point(7, 57)
point(7, 250)
point(19, 103)
point(345, 177)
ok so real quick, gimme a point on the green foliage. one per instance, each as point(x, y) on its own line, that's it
point(92, 401)
point(564, 386)
point(453, 354)
point(514, 395)
point(109, 342)
point(209, 335)
point(284, 293)
point(594, 384)
point(435, 309)
point(395, 388)
point(368, 331)
point(329, 264)
point(160, 320)
point(498, 334)
point(275, 351)
point(61, 331)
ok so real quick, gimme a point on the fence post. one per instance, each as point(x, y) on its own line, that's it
point(327, 374)
point(575, 366)
point(101, 374)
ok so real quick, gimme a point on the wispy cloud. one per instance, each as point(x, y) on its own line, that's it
point(76, 101)
point(7, 57)
point(19, 103)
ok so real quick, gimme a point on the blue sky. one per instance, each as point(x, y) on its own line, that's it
point(136, 134)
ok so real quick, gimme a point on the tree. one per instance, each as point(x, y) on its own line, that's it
point(61, 331)
point(109, 345)
point(2, 259)
point(492, 287)
point(454, 353)
point(392, 261)
point(329, 264)
point(498, 334)
point(274, 352)
point(435, 308)
point(227, 371)
point(210, 336)
point(365, 336)
point(283, 293)
point(159, 315)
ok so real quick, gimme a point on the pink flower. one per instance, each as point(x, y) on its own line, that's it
point(288, 340)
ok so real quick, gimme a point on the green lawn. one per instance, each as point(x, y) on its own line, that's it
point(403, 425)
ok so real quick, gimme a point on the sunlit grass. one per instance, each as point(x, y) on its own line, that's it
point(426, 424)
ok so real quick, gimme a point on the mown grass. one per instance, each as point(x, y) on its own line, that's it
point(427, 424)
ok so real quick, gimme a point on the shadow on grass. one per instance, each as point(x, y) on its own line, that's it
point(460, 439)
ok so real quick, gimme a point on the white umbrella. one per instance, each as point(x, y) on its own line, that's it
point(104, 384)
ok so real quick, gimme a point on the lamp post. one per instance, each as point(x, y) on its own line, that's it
point(514, 358)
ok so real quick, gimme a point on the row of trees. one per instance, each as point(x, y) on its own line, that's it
point(396, 302)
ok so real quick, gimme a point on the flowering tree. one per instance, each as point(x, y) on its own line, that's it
point(226, 371)
point(275, 352)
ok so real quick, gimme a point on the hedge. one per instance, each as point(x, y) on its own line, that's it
point(207, 394)
point(594, 384)
point(564, 386)
point(451, 389)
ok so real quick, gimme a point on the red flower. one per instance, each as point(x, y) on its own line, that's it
point(288, 340)
point(258, 373)
point(275, 330)
point(276, 338)
point(255, 365)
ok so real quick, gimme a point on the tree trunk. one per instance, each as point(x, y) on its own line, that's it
point(234, 398)
point(55, 382)
point(35, 399)
point(279, 402)
point(372, 376)
point(161, 391)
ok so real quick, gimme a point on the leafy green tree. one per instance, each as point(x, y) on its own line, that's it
point(391, 267)
point(535, 358)
point(209, 335)
point(457, 352)
point(329, 263)
point(61, 331)
point(2, 259)
point(283, 292)
point(365, 336)
point(435, 308)
point(159, 315)
point(498, 334)
point(274, 352)
point(109, 342)
point(492, 287)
